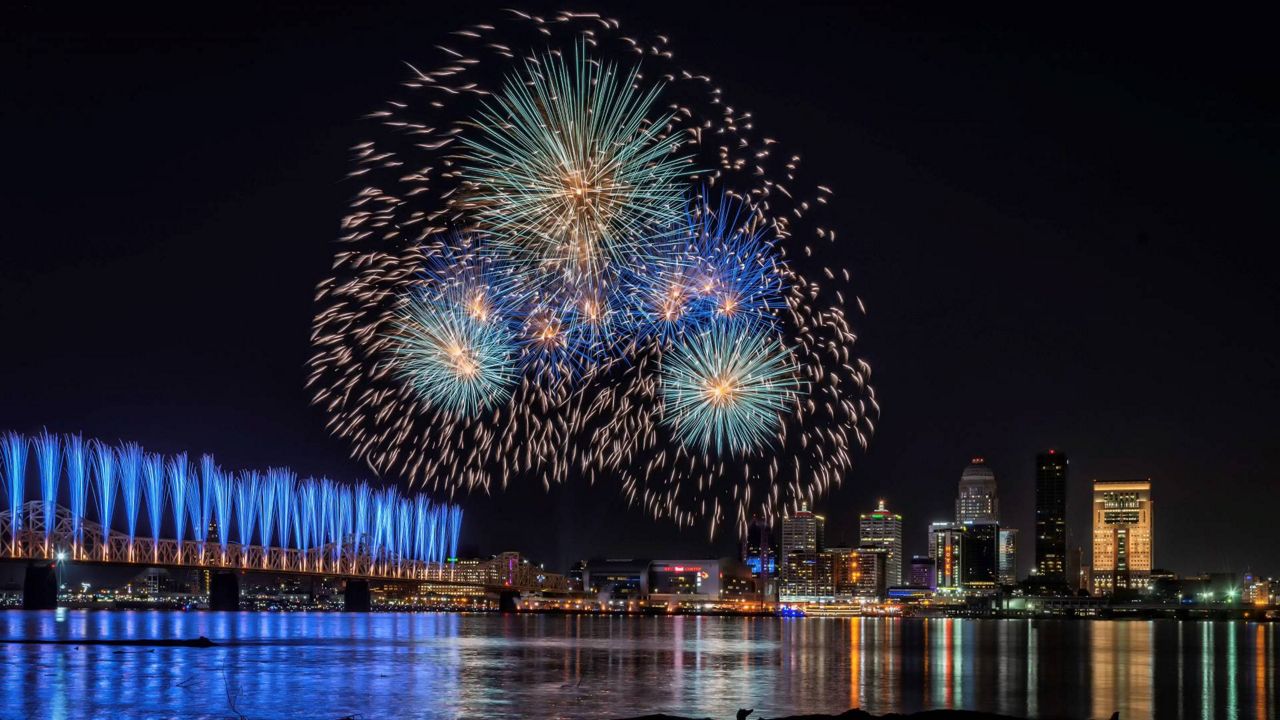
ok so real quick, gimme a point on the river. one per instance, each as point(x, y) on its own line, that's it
point(329, 665)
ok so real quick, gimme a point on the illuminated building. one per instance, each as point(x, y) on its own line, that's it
point(616, 580)
point(1008, 556)
point(883, 529)
point(977, 501)
point(924, 572)
point(806, 577)
point(1051, 517)
point(801, 548)
point(1257, 591)
point(802, 532)
point(946, 547)
point(681, 582)
point(757, 549)
point(1121, 535)
point(857, 573)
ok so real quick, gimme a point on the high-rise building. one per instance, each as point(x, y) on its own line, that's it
point(946, 547)
point(883, 529)
point(1051, 517)
point(1008, 556)
point(977, 500)
point(1121, 535)
point(803, 567)
point(924, 573)
point(757, 549)
point(981, 555)
point(801, 532)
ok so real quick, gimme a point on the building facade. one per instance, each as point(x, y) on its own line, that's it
point(924, 573)
point(1008, 556)
point(1121, 535)
point(981, 556)
point(883, 529)
point(1051, 517)
point(946, 547)
point(976, 500)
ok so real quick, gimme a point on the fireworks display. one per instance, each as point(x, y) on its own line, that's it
point(570, 259)
point(321, 519)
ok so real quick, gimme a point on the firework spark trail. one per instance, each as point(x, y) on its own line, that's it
point(247, 490)
point(76, 457)
point(153, 488)
point(105, 477)
point(130, 463)
point(49, 462)
point(13, 457)
point(632, 209)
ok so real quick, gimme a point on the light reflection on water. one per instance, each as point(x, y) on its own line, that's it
point(440, 665)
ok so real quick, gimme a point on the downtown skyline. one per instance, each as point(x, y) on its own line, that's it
point(180, 322)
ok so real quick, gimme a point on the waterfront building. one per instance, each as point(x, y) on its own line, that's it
point(1051, 517)
point(690, 582)
point(981, 555)
point(1008, 556)
point(616, 580)
point(946, 547)
point(802, 532)
point(924, 572)
point(883, 529)
point(806, 577)
point(976, 500)
point(1121, 535)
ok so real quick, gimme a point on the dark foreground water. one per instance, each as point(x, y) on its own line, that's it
point(530, 666)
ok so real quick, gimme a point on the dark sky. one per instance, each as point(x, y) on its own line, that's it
point(1063, 226)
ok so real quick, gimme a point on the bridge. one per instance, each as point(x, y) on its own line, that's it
point(282, 524)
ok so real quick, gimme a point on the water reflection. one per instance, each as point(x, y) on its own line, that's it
point(428, 666)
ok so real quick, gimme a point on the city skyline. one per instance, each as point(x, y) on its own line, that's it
point(991, 325)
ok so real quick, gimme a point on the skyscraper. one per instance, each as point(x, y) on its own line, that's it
point(801, 532)
point(981, 555)
point(801, 557)
point(1008, 556)
point(977, 501)
point(1051, 517)
point(757, 549)
point(946, 547)
point(883, 529)
point(1121, 535)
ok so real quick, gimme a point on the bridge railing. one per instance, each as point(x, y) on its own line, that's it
point(41, 538)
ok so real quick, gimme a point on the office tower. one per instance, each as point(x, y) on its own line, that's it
point(801, 532)
point(802, 564)
point(757, 548)
point(977, 500)
point(924, 573)
point(1008, 556)
point(1051, 517)
point(946, 547)
point(981, 567)
point(883, 529)
point(1121, 535)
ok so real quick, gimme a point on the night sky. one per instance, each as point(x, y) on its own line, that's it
point(1063, 227)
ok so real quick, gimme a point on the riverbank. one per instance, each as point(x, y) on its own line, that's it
point(864, 715)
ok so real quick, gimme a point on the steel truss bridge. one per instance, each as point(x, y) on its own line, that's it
point(39, 539)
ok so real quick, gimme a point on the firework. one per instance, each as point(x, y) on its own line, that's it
point(569, 171)
point(13, 453)
point(725, 390)
point(556, 235)
point(454, 361)
point(104, 465)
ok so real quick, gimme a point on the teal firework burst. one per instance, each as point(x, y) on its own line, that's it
point(454, 361)
point(724, 389)
point(569, 172)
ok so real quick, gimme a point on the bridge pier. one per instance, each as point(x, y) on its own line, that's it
point(40, 587)
point(357, 596)
point(507, 600)
point(224, 591)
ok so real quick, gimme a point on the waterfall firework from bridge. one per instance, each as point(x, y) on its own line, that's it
point(247, 520)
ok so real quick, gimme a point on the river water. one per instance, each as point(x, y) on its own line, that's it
point(329, 665)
